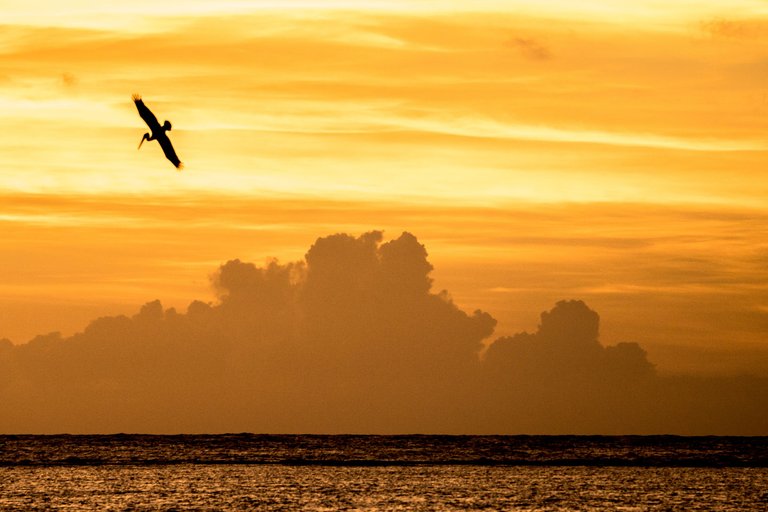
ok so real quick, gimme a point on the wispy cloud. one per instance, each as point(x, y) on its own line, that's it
point(530, 48)
point(740, 29)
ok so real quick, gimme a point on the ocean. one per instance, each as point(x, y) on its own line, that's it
point(413, 472)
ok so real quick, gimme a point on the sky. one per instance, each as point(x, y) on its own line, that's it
point(542, 151)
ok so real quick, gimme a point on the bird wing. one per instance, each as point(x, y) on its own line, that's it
point(170, 154)
point(146, 114)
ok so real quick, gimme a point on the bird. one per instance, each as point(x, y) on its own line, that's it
point(158, 132)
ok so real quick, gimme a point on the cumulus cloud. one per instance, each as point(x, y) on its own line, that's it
point(351, 339)
point(561, 379)
point(566, 344)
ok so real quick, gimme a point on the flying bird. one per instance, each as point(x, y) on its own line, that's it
point(158, 132)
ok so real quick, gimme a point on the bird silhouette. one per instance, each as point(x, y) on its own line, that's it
point(158, 132)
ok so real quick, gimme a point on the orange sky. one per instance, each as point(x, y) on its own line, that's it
point(539, 150)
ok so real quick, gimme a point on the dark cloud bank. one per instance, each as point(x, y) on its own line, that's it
point(353, 340)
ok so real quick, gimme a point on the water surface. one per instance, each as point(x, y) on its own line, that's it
point(251, 472)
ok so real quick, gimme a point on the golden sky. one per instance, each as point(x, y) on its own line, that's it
point(605, 151)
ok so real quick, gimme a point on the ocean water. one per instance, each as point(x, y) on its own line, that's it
point(257, 472)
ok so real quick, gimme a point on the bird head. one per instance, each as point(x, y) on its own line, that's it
point(167, 126)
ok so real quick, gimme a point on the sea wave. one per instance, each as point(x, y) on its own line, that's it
point(376, 451)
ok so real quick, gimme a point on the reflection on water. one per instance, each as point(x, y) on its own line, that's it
point(132, 449)
point(299, 472)
point(444, 487)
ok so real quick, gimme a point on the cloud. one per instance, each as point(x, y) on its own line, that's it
point(451, 92)
point(740, 29)
point(351, 339)
point(560, 379)
point(530, 48)
point(567, 341)
point(68, 79)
